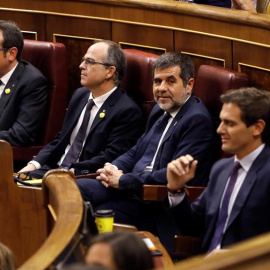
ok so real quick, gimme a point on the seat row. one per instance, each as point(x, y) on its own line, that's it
point(50, 58)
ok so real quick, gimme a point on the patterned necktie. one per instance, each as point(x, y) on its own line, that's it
point(223, 212)
point(76, 147)
point(153, 144)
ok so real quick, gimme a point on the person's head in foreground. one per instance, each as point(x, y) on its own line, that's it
point(120, 251)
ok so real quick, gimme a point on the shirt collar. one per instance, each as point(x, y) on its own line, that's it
point(7, 76)
point(247, 161)
point(101, 99)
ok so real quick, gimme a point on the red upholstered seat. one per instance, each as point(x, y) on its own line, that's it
point(50, 59)
point(138, 79)
point(211, 82)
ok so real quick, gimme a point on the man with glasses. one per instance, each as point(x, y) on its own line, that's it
point(101, 123)
point(23, 91)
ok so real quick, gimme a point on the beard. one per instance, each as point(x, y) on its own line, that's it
point(171, 104)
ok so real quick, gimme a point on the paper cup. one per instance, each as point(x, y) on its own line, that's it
point(104, 220)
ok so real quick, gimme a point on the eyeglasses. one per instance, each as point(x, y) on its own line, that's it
point(91, 61)
point(3, 49)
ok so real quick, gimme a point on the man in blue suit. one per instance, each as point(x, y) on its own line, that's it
point(235, 204)
point(113, 124)
point(189, 129)
point(218, 3)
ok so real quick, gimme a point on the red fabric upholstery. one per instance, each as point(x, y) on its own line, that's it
point(50, 59)
point(138, 79)
point(211, 82)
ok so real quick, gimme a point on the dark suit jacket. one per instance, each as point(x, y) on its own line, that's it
point(250, 213)
point(108, 138)
point(22, 110)
point(219, 3)
point(191, 132)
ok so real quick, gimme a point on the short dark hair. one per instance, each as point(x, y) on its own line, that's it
point(12, 36)
point(254, 105)
point(172, 59)
point(129, 250)
point(115, 57)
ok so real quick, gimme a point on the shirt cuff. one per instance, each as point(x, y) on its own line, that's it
point(35, 163)
point(175, 200)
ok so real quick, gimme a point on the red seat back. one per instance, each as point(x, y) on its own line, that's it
point(138, 79)
point(50, 59)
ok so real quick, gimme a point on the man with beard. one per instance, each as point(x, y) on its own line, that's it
point(178, 124)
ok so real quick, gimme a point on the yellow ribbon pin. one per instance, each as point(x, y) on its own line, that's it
point(7, 91)
point(102, 114)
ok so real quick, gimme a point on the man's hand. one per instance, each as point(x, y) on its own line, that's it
point(106, 171)
point(244, 5)
point(29, 167)
point(109, 175)
point(180, 171)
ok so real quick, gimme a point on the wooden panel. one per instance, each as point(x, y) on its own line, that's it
point(77, 34)
point(28, 22)
point(204, 49)
point(258, 77)
point(254, 61)
point(78, 27)
point(76, 49)
point(143, 36)
point(23, 225)
point(30, 35)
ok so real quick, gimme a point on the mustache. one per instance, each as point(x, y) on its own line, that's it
point(167, 95)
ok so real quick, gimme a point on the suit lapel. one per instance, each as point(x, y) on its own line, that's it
point(178, 117)
point(74, 120)
point(106, 108)
point(246, 187)
point(219, 189)
point(10, 87)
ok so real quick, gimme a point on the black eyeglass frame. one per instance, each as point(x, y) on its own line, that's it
point(3, 49)
point(91, 61)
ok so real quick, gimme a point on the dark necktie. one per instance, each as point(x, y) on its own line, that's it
point(76, 147)
point(223, 212)
point(153, 144)
point(1, 82)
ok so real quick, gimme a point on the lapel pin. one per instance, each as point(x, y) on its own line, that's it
point(102, 114)
point(7, 91)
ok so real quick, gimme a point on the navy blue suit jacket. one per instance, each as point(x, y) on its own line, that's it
point(191, 132)
point(250, 213)
point(23, 109)
point(219, 3)
point(108, 137)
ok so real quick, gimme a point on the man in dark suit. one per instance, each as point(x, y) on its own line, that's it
point(235, 204)
point(23, 91)
point(189, 129)
point(114, 124)
point(218, 3)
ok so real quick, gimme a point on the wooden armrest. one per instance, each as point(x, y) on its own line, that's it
point(186, 246)
point(89, 175)
point(124, 227)
point(158, 192)
point(154, 192)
